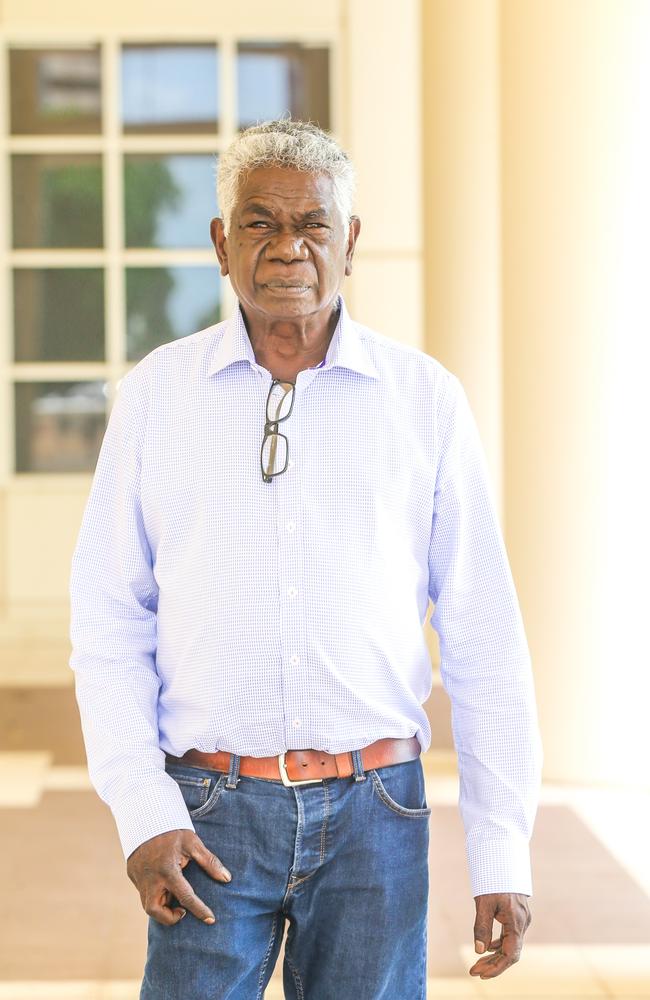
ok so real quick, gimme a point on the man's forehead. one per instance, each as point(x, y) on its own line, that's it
point(275, 186)
point(260, 206)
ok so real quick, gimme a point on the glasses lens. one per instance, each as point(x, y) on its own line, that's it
point(280, 400)
point(274, 454)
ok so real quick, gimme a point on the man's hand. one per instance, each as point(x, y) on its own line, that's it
point(511, 910)
point(155, 868)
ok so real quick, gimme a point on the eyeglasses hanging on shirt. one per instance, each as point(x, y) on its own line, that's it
point(275, 446)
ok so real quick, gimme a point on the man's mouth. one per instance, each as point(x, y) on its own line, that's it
point(291, 287)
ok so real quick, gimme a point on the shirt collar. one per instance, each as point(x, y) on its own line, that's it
point(346, 348)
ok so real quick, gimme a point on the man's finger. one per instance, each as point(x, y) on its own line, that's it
point(490, 966)
point(163, 915)
point(159, 909)
point(178, 911)
point(485, 911)
point(210, 862)
point(187, 898)
point(512, 942)
point(510, 910)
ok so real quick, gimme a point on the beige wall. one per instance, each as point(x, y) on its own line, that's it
point(257, 17)
point(576, 310)
point(382, 124)
point(460, 127)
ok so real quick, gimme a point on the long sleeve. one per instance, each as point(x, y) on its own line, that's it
point(114, 596)
point(485, 661)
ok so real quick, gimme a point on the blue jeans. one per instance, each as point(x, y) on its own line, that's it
point(344, 861)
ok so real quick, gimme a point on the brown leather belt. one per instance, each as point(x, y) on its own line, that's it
point(297, 767)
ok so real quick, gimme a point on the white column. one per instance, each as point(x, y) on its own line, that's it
point(461, 204)
point(576, 218)
point(382, 131)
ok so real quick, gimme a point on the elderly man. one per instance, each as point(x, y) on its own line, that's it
point(276, 499)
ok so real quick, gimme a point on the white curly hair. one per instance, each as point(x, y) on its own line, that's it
point(285, 143)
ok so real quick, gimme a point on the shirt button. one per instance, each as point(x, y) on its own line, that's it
point(297, 723)
point(291, 526)
point(294, 660)
point(292, 591)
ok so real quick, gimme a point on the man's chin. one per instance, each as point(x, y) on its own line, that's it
point(292, 301)
point(288, 291)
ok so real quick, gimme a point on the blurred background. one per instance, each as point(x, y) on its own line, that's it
point(503, 158)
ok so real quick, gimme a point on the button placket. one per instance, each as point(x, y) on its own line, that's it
point(290, 571)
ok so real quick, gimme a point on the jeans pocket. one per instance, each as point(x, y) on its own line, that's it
point(401, 787)
point(200, 789)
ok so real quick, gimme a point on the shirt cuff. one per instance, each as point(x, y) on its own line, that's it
point(500, 866)
point(147, 811)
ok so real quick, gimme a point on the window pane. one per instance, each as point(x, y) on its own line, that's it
point(164, 303)
point(274, 79)
point(55, 90)
point(169, 88)
point(57, 200)
point(169, 200)
point(59, 314)
point(59, 425)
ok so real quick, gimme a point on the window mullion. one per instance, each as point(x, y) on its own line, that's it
point(114, 279)
point(6, 297)
point(227, 130)
point(227, 88)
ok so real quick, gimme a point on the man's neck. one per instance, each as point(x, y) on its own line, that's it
point(285, 347)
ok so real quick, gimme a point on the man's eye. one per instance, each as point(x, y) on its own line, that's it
point(255, 225)
point(318, 225)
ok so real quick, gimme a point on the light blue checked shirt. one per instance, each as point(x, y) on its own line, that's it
point(213, 610)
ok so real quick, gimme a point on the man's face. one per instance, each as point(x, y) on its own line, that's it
point(287, 251)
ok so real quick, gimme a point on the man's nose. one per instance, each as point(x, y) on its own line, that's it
point(286, 247)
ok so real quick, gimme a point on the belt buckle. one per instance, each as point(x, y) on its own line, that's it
point(286, 780)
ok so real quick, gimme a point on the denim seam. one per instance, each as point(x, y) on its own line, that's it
point(395, 806)
point(269, 948)
point(323, 833)
point(423, 982)
point(300, 990)
point(211, 800)
point(198, 784)
point(233, 771)
point(299, 827)
point(294, 882)
point(296, 851)
point(357, 764)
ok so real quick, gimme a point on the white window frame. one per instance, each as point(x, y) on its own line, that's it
point(111, 143)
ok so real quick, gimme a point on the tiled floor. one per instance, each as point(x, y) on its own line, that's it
point(73, 926)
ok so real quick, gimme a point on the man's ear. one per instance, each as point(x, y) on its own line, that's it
point(353, 233)
point(219, 240)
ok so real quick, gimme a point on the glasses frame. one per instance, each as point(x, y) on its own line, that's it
point(270, 428)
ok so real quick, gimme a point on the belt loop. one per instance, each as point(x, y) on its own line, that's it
point(233, 773)
point(358, 766)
